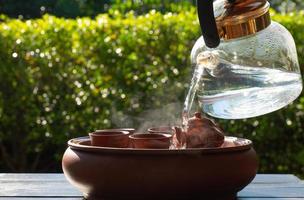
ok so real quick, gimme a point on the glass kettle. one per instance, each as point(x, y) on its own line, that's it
point(245, 64)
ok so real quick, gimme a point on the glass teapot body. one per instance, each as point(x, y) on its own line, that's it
point(247, 76)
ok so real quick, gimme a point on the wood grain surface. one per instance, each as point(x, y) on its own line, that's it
point(55, 186)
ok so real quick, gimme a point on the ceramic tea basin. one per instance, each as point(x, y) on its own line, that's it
point(117, 173)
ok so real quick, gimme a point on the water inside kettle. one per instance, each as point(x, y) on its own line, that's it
point(232, 91)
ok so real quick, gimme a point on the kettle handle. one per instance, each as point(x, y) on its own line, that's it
point(207, 23)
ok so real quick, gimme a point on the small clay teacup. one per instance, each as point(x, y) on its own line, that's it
point(130, 130)
point(110, 138)
point(161, 129)
point(150, 140)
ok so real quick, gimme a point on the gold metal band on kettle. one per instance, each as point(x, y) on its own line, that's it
point(245, 26)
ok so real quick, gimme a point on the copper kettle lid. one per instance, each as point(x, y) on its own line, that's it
point(230, 19)
point(239, 18)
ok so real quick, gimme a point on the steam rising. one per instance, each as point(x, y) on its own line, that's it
point(168, 115)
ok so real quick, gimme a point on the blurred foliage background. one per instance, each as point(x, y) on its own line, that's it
point(62, 77)
point(91, 8)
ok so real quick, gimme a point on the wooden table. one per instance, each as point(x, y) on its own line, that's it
point(55, 186)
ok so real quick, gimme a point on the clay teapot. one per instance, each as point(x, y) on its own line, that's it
point(201, 132)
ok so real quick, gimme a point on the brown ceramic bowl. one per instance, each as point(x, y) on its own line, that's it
point(116, 173)
point(161, 129)
point(150, 140)
point(110, 138)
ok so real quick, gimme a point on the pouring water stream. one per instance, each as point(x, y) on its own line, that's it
point(206, 59)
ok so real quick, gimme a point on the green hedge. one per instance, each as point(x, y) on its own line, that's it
point(62, 78)
point(89, 8)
